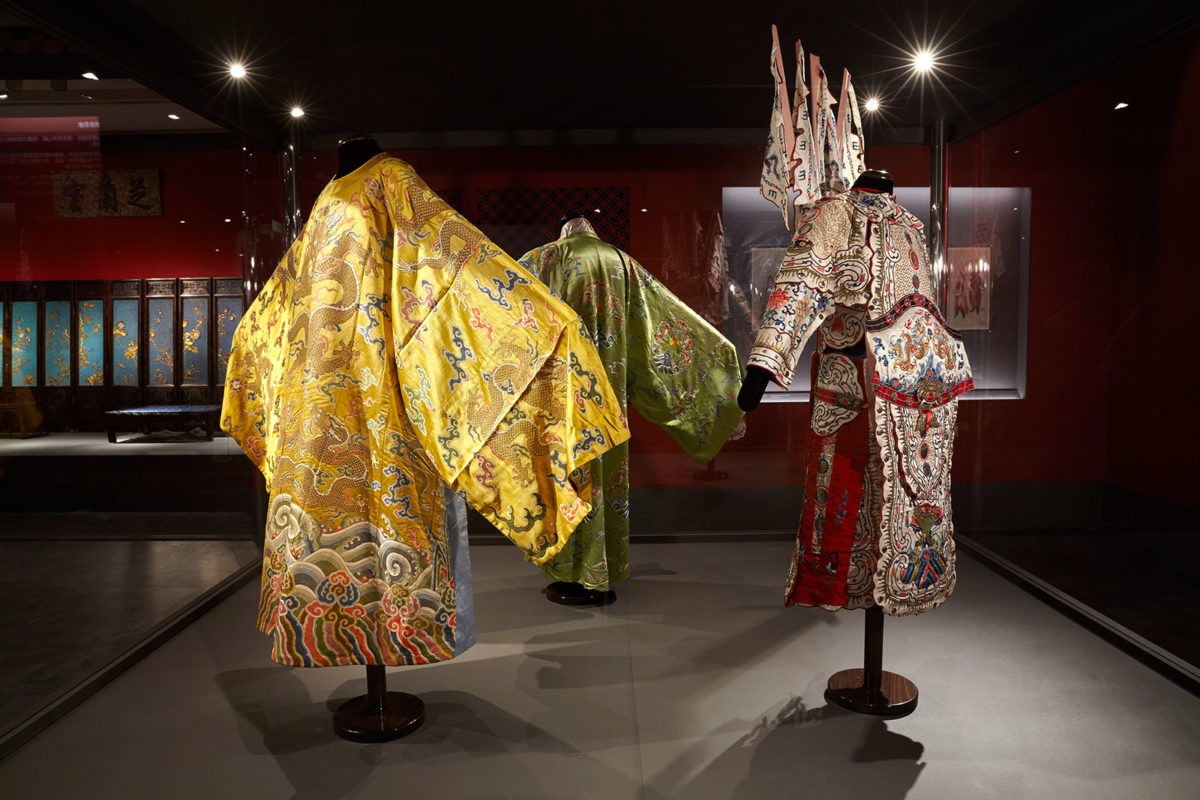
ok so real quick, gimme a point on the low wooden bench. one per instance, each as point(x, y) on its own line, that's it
point(188, 417)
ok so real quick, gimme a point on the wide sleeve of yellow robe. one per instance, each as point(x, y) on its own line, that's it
point(499, 382)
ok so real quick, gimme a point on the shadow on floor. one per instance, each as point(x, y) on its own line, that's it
point(278, 716)
point(801, 752)
point(649, 569)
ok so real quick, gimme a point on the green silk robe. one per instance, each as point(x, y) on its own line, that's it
point(677, 370)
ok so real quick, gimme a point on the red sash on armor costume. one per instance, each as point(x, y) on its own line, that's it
point(833, 484)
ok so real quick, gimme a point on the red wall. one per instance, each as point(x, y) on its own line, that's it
point(1109, 382)
point(203, 188)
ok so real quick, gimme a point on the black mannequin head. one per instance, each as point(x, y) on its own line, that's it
point(355, 150)
point(879, 180)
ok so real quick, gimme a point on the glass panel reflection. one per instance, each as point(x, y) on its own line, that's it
point(92, 307)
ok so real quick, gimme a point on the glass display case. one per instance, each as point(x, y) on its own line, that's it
point(143, 210)
point(128, 224)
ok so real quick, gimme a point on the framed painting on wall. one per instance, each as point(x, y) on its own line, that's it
point(970, 298)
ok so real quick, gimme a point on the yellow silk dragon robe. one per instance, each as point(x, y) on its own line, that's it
point(396, 350)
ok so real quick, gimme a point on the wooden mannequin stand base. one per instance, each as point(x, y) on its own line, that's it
point(871, 690)
point(895, 697)
point(379, 715)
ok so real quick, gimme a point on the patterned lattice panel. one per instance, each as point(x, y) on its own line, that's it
point(521, 219)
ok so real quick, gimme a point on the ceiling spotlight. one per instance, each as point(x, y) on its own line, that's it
point(172, 116)
point(236, 70)
point(183, 222)
point(91, 76)
point(923, 61)
point(297, 111)
point(643, 210)
point(227, 219)
point(3, 97)
point(1119, 106)
point(596, 210)
point(872, 104)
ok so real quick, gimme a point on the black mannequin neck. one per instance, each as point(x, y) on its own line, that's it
point(877, 180)
point(354, 151)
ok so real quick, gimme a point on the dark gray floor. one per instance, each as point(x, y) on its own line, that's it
point(74, 606)
point(678, 690)
point(1146, 579)
point(1137, 560)
point(102, 543)
point(696, 683)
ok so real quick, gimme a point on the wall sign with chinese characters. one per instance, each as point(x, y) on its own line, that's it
point(107, 193)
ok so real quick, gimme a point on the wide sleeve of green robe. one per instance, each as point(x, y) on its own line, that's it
point(683, 375)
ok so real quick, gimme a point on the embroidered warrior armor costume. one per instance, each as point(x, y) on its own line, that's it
point(876, 526)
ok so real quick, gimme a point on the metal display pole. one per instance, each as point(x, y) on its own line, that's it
point(291, 188)
point(939, 210)
point(872, 690)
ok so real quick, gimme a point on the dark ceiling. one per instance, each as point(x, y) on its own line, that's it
point(562, 69)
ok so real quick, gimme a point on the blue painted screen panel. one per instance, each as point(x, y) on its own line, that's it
point(161, 341)
point(229, 313)
point(90, 353)
point(195, 341)
point(58, 343)
point(126, 334)
point(24, 362)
